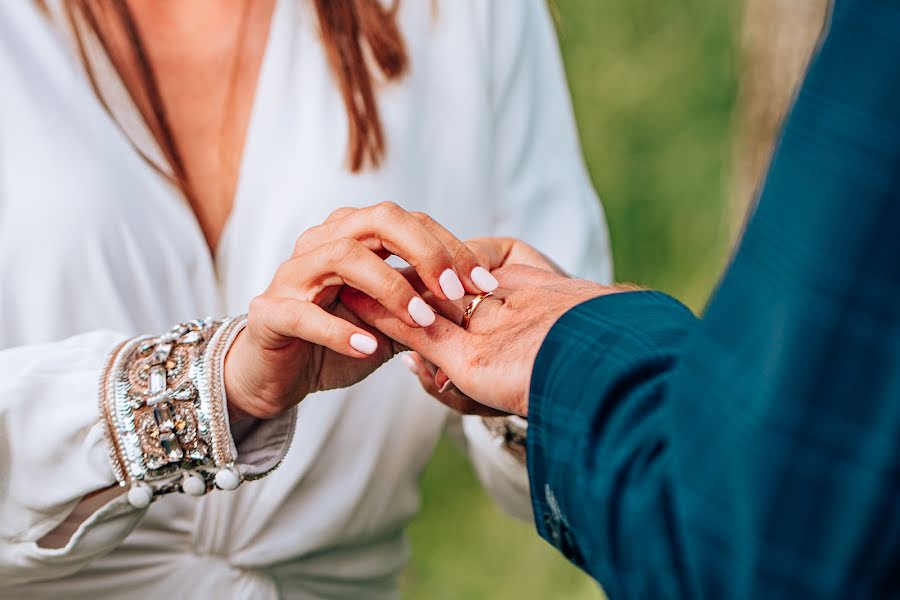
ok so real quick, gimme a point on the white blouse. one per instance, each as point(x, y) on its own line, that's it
point(95, 247)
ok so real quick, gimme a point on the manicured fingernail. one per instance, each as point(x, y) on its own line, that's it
point(420, 312)
point(410, 363)
point(452, 286)
point(447, 385)
point(484, 280)
point(363, 343)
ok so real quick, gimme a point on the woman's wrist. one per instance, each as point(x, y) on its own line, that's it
point(248, 398)
point(235, 396)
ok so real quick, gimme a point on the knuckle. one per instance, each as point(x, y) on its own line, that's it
point(302, 242)
point(346, 244)
point(342, 249)
point(443, 257)
point(389, 210)
point(339, 213)
point(299, 314)
point(257, 312)
point(258, 305)
point(285, 274)
point(396, 286)
point(423, 218)
point(462, 255)
point(433, 257)
point(331, 330)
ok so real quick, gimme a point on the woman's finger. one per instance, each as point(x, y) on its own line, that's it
point(441, 380)
point(284, 317)
point(389, 227)
point(347, 262)
point(339, 213)
point(454, 310)
point(451, 309)
point(474, 276)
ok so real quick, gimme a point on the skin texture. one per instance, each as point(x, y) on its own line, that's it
point(490, 364)
point(206, 56)
point(496, 252)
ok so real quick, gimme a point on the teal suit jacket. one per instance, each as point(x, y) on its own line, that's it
point(754, 453)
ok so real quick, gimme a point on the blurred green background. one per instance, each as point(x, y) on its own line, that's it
point(654, 87)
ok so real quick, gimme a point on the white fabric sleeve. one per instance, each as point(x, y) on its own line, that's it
point(53, 453)
point(503, 477)
point(544, 194)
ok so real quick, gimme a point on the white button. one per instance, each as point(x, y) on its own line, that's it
point(228, 479)
point(193, 485)
point(140, 495)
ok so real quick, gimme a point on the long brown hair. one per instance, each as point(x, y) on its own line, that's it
point(357, 35)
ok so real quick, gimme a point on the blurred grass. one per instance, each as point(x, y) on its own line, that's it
point(654, 87)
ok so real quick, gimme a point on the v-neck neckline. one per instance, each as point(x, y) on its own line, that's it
point(146, 147)
point(259, 98)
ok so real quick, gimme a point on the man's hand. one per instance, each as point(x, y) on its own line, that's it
point(492, 361)
point(495, 252)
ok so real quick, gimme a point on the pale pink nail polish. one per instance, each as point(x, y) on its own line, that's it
point(363, 343)
point(420, 312)
point(484, 280)
point(410, 363)
point(447, 385)
point(452, 286)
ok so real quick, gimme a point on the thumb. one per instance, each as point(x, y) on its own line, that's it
point(519, 276)
point(491, 251)
point(440, 343)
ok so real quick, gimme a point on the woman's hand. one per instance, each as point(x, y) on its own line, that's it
point(300, 339)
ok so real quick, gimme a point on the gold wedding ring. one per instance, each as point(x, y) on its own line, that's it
point(472, 307)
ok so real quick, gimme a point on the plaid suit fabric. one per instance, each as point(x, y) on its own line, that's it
point(754, 453)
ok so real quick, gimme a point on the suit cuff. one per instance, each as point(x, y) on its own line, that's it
point(581, 360)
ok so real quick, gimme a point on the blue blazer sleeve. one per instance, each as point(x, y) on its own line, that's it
point(754, 453)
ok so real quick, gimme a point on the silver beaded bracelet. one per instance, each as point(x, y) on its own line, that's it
point(511, 433)
point(162, 403)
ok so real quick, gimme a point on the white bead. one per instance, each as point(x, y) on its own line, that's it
point(227, 479)
point(140, 495)
point(193, 485)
